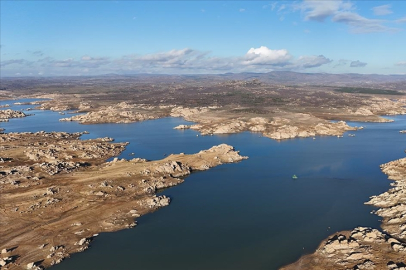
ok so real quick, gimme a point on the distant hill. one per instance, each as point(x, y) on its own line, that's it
point(396, 82)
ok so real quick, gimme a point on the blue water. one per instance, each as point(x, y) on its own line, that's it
point(248, 215)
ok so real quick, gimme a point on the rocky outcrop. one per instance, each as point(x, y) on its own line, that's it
point(56, 167)
point(119, 113)
point(386, 106)
point(188, 112)
point(392, 204)
point(182, 127)
point(7, 114)
point(362, 248)
point(217, 120)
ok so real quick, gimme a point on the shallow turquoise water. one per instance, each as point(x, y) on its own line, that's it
point(248, 215)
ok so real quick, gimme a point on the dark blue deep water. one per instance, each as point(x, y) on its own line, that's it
point(250, 215)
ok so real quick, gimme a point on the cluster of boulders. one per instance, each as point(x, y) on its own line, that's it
point(182, 127)
point(55, 106)
point(41, 135)
point(51, 146)
point(362, 248)
point(7, 114)
point(157, 201)
point(277, 129)
point(5, 258)
point(187, 112)
point(60, 166)
point(392, 204)
point(386, 106)
point(172, 168)
point(119, 113)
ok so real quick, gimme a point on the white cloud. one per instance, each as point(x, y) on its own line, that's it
point(402, 63)
point(36, 53)
point(272, 6)
point(359, 24)
point(341, 62)
point(358, 64)
point(401, 20)
point(242, 9)
point(343, 12)
point(320, 10)
point(312, 61)
point(15, 62)
point(265, 56)
point(281, 8)
point(382, 10)
point(261, 59)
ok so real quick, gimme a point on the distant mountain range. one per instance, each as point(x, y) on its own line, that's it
point(274, 77)
point(287, 77)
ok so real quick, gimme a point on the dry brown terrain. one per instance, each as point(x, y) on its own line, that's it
point(57, 192)
point(277, 105)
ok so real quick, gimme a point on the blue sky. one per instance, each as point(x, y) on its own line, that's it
point(97, 37)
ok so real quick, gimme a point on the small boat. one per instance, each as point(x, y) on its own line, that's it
point(294, 176)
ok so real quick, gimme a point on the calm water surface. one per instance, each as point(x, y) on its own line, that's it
point(248, 215)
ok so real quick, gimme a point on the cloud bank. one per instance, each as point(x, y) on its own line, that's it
point(357, 64)
point(382, 10)
point(185, 60)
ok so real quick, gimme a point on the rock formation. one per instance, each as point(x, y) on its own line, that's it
point(119, 113)
point(362, 248)
point(7, 114)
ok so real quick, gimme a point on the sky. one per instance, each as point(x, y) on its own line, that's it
point(64, 38)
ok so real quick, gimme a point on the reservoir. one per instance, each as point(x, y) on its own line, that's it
point(247, 215)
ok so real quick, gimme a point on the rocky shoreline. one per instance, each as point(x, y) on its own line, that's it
point(58, 193)
point(119, 113)
point(278, 125)
point(5, 115)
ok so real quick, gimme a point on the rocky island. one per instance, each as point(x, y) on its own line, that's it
point(5, 115)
